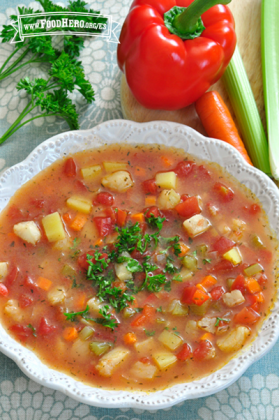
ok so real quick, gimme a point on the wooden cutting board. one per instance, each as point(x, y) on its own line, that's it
point(247, 14)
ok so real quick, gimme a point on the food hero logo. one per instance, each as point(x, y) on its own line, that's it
point(64, 23)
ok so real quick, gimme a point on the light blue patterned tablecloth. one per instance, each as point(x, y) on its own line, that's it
point(254, 397)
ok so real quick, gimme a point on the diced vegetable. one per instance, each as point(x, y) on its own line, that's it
point(80, 348)
point(186, 274)
point(12, 310)
point(257, 242)
point(70, 333)
point(233, 256)
point(190, 262)
point(252, 270)
point(222, 245)
point(252, 285)
point(233, 298)
point(143, 370)
point(81, 204)
point(234, 340)
point(86, 333)
point(121, 270)
point(183, 249)
point(99, 348)
point(3, 290)
point(196, 225)
point(3, 270)
point(57, 295)
point(189, 207)
point(164, 359)
point(68, 271)
point(78, 222)
point(192, 329)
point(129, 312)
point(208, 282)
point(53, 227)
point(207, 324)
point(130, 338)
point(200, 310)
point(166, 180)
point(115, 166)
point(91, 172)
point(28, 231)
point(204, 351)
point(44, 283)
point(104, 225)
point(246, 316)
point(120, 181)
point(168, 199)
point(177, 308)
point(63, 245)
point(111, 360)
point(170, 340)
point(202, 250)
point(94, 305)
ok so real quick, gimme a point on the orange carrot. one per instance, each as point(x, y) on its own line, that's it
point(218, 122)
point(150, 200)
point(70, 333)
point(121, 217)
point(99, 242)
point(208, 281)
point(252, 285)
point(207, 336)
point(184, 249)
point(166, 161)
point(139, 217)
point(44, 283)
point(78, 222)
point(80, 301)
point(130, 338)
point(67, 217)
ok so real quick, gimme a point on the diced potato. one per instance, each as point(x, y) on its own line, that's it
point(115, 166)
point(63, 244)
point(192, 329)
point(121, 271)
point(234, 340)
point(166, 180)
point(80, 348)
point(111, 360)
point(233, 256)
point(120, 181)
point(143, 370)
point(207, 324)
point(170, 340)
point(94, 305)
point(91, 172)
point(145, 347)
point(233, 298)
point(196, 225)
point(53, 227)
point(168, 199)
point(57, 295)
point(177, 308)
point(3, 270)
point(80, 204)
point(164, 359)
point(28, 231)
point(12, 309)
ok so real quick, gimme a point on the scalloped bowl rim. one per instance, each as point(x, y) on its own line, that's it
point(108, 132)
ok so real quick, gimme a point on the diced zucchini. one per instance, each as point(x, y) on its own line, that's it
point(207, 324)
point(186, 274)
point(143, 370)
point(68, 271)
point(177, 308)
point(99, 348)
point(234, 340)
point(202, 250)
point(111, 360)
point(252, 270)
point(28, 231)
point(86, 333)
point(91, 172)
point(162, 321)
point(166, 180)
point(115, 166)
point(257, 242)
point(128, 312)
point(53, 227)
point(196, 225)
point(81, 204)
point(234, 256)
point(230, 283)
point(57, 295)
point(164, 359)
point(190, 262)
point(145, 347)
point(168, 199)
point(199, 310)
point(12, 310)
point(170, 340)
point(192, 329)
point(233, 298)
point(121, 271)
point(120, 181)
point(3, 270)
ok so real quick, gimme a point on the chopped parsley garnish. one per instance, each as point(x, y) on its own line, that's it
point(107, 320)
point(33, 330)
point(160, 309)
point(149, 333)
point(71, 316)
point(206, 261)
point(220, 319)
point(155, 222)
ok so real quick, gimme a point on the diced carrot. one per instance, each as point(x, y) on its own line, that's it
point(44, 283)
point(260, 297)
point(184, 249)
point(80, 301)
point(200, 286)
point(121, 217)
point(139, 171)
point(253, 286)
point(130, 338)
point(139, 217)
point(166, 161)
point(150, 200)
point(207, 336)
point(67, 217)
point(208, 281)
point(70, 333)
point(99, 242)
point(200, 297)
point(78, 222)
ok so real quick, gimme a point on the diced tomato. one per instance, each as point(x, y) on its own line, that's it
point(239, 284)
point(149, 186)
point(188, 207)
point(262, 281)
point(121, 217)
point(152, 210)
point(225, 193)
point(185, 353)
point(45, 328)
point(217, 292)
point(188, 294)
point(151, 300)
point(39, 204)
point(184, 168)
point(221, 266)
point(246, 316)
point(222, 245)
point(145, 360)
point(104, 225)
point(14, 213)
point(137, 255)
point(12, 276)
point(149, 312)
point(30, 283)
point(70, 168)
point(21, 331)
point(110, 212)
point(203, 173)
point(203, 350)
point(25, 301)
point(3, 290)
point(80, 185)
point(200, 297)
point(82, 259)
point(253, 209)
point(138, 321)
point(105, 198)
point(184, 197)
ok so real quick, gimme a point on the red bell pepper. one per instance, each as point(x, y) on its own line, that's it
point(172, 51)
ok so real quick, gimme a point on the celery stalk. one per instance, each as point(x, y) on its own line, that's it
point(270, 60)
point(246, 112)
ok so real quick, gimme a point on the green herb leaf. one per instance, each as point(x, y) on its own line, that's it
point(71, 316)
point(149, 333)
point(220, 319)
point(155, 222)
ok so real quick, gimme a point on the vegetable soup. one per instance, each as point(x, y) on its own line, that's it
point(135, 267)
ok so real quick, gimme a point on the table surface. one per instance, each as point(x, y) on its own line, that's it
point(254, 396)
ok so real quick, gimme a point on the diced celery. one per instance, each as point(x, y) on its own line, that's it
point(91, 172)
point(164, 359)
point(68, 271)
point(170, 340)
point(128, 312)
point(230, 283)
point(200, 310)
point(202, 250)
point(162, 321)
point(115, 166)
point(252, 270)
point(99, 348)
point(257, 242)
point(234, 256)
point(190, 262)
point(80, 204)
point(177, 308)
point(53, 227)
point(166, 180)
point(86, 332)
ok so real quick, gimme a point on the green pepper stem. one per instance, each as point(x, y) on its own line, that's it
point(186, 22)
